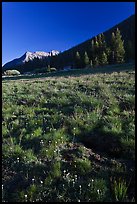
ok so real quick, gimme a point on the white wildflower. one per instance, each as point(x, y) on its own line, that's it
point(98, 191)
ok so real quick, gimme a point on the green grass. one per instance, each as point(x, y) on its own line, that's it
point(69, 139)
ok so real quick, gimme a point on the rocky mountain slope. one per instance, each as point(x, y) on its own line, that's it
point(30, 56)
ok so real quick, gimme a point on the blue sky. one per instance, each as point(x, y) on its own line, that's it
point(44, 26)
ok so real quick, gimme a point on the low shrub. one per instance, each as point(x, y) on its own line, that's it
point(11, 72)
point(53, 69)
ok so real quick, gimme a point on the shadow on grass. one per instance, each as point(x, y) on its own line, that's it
point(78, 72)
point(101, 141)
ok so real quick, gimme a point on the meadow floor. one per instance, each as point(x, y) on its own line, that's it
point(69, 139)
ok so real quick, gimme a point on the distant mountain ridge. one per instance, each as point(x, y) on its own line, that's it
point(30, 56)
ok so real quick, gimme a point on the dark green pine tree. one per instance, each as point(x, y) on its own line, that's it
point(105, 47)
point(103, 50)
point(103, 59)
point(92, 46)
point(95, 51)
point(96, 62)
point(112, 59)
point(100, 48)
point(96, 47)
point(92, 49)
point(78, 60)
point(86, 59)
point(120, 51)
point(100, 41)
point(117, 47)
point(91, 63)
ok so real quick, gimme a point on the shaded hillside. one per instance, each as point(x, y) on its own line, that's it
point(127, 29)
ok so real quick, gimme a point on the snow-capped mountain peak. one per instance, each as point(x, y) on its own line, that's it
point(30, 56)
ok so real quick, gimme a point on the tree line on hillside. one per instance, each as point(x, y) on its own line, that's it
point(99, 53)
point(127, 31)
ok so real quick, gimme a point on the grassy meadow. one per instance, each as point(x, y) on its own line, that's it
point(69, 139)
